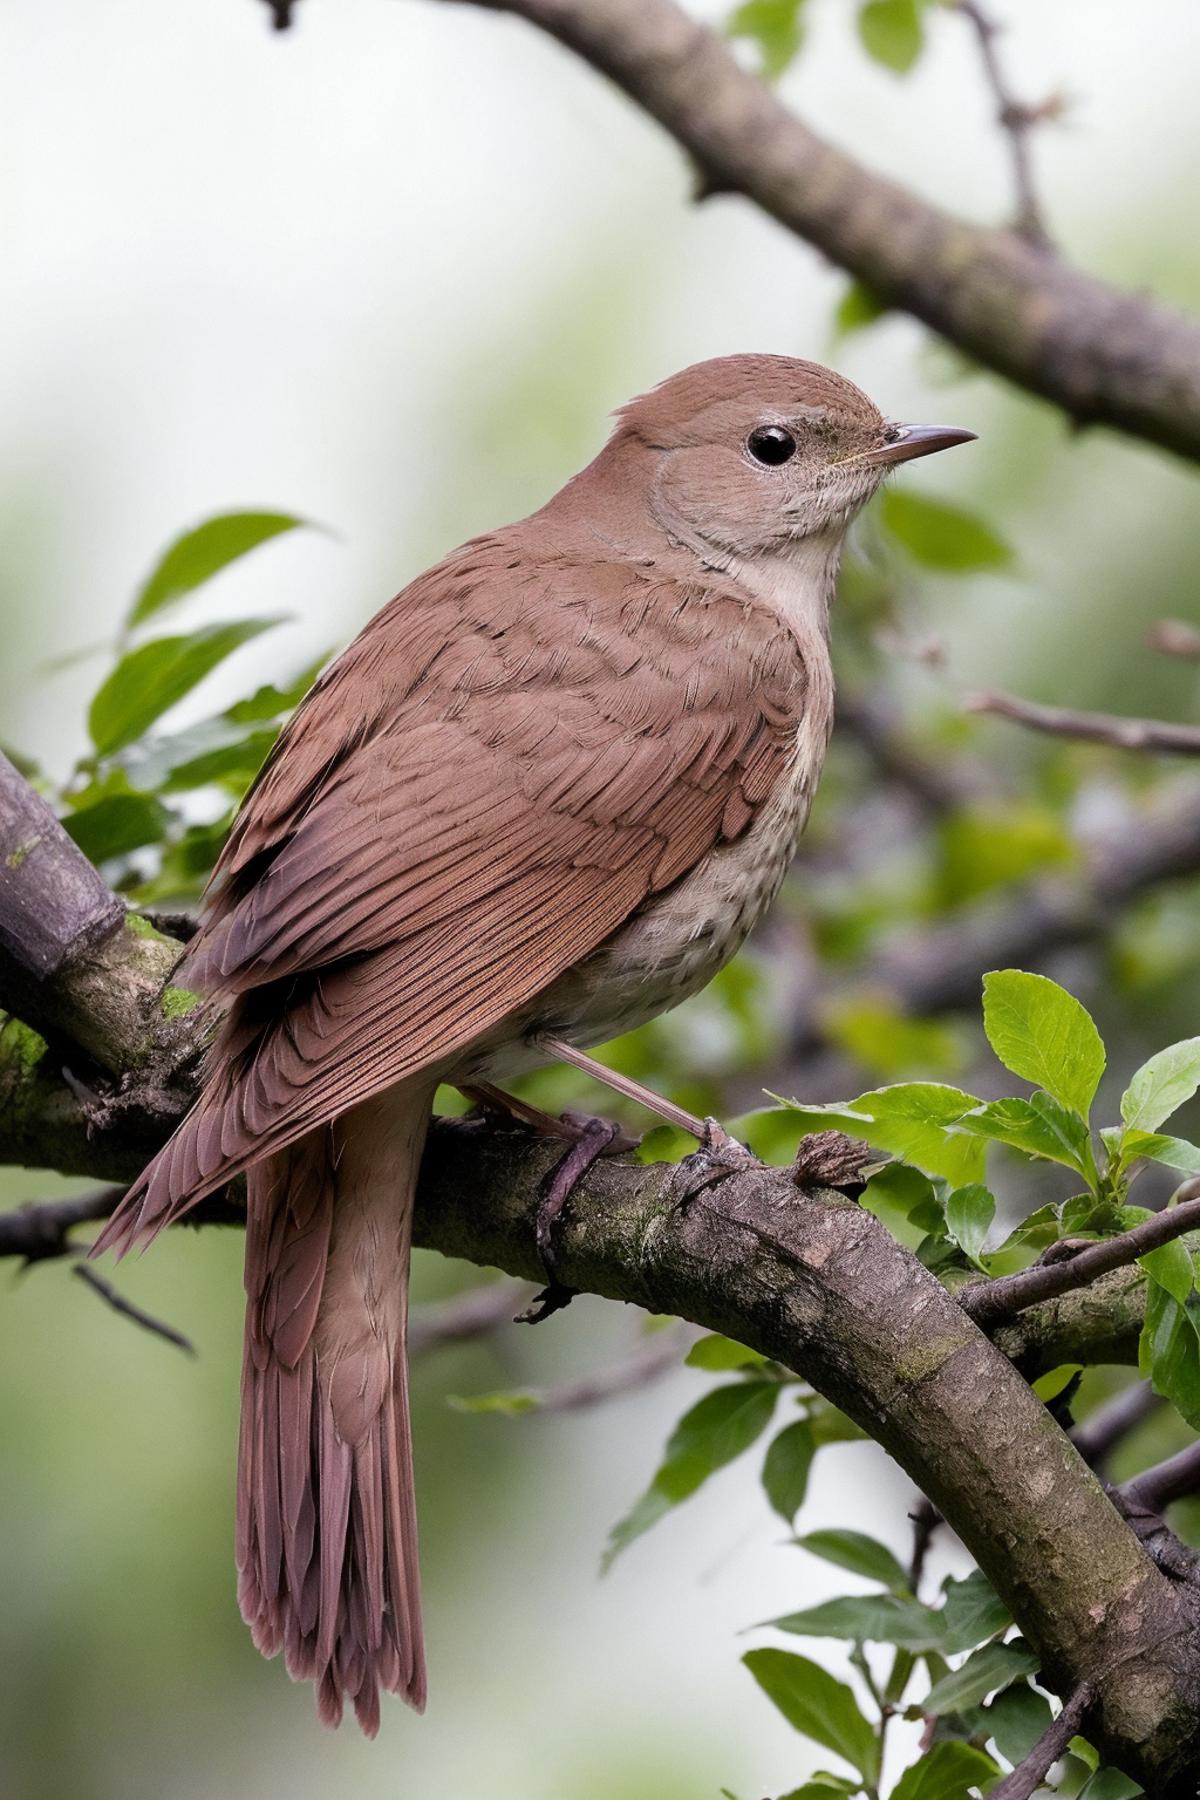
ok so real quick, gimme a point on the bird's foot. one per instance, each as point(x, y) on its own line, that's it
point(591, 1139)
point(718, 1157)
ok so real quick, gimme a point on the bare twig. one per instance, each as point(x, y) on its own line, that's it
point(1098, 1436)
point(1154, 1489)
point(108, 1293)
point(936, 787)
point(989, 1302)
point(1175, 637)
point(41, 1231)
point(468, 1315)
point(1045, 1753)
point(1093, 727)
point(1016, 118)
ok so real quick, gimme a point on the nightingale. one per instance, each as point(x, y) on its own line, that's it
point(542, 797)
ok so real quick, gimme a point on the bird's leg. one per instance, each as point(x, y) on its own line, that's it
point(596, 1138)
point(570, 1125)
point(719, 1155)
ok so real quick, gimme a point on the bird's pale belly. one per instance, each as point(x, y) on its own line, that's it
point(668, 951)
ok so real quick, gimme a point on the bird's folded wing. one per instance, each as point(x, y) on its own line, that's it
point(497, 774)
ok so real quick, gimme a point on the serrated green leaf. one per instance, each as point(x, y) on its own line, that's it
point(1162, 1085)
point(149, 680)
point(1038, 1126)
point(913, 1119)
point(776, 26)
point(861, 1554)
point(712, 1433)
point(817, 1705)
point(856, 310)
point(892, 33)
point(973, 1612)
point(941, 536)
point(870, 1619)
point(1043, 1034)
point(202, 553)
point(1172, 1152)
point(1172, 1268)
point(721, 1353)
point(1016, 1719)
point(969, 1214)
point(986, 1670)
point(947, 1772)
point(1169, 1351)
point(786, 1467)
point(117, 824)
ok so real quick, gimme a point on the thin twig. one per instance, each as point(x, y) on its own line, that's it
point(1092, 727)
point(1016, 118)
point(468, 1315)
point(1175, 637)
point(1098, 1436)
point(988, 1302)
point(108, 1293)
point(1154, 1489)
point(1045, 1753)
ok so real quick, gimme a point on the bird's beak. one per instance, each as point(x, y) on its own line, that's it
point(909, 441)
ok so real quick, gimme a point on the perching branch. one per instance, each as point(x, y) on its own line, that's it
point(1102, 355)
point(1016, 118)
point(1092, 727)
point(1045, 1753)
point(988, 1302)
point(1155, 1489)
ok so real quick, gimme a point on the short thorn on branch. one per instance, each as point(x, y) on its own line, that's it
point(1091, 727)
point(990, 1302)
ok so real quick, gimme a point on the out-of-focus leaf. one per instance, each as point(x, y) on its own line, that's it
point(993, 1667)
point(856, 310)
point(721, 1353)
point(947, 1772)
point(941, 536)
point(186, 864)
point(868, 1618)
point(905, 1201)
point(1056, 1382)
point(1169, 1352)
point(215, 750)
point(776, 26)
point(1109, 1784)
point(271, 702)
point(785, 1469)
point(913, 1119)
point(1162, 1085)
point(1016, 1719)
point(1038, 1126)
point(202, 553)
point(973, 1612)
point(831, 1426)
point(1043, 1034)
point(816, 1704)
point(861, 1554)
point(116, 824)
point(993, 845)
point(715, 1431)
point(149, 680)
point(892, 33)
point(969, 1214)
point(888, 1042)
point(510, 1405)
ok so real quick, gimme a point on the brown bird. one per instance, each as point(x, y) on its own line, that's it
point(541, 798)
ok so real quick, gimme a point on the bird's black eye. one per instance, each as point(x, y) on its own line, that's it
point(772, 445)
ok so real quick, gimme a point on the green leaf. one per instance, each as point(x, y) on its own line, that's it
point(1038, 1126)
point(868, 1618)
point(215, 750)
point(721, 1354)
point(892, 33)
point(890, 1043)
point(1162, 1085)
point(1169, 1352)
point(973, 1612)
point(1016, 1719)
point(993, 1667)
point(116, 824)
point(816, 1704)
point(774, 25)
point(861, 1554)
point(715, 1431)
point(940, 536)
point(510, 1405)
point(913, 1119)
point(202, 553)
point(1043, 1034)
point(1109, 1784)
point(1172, 1268)
point(947, 1772)
point(785, 1470)
point(270, 702)
point(994, 844)
point(824, 1786)
point(969, 1214)
point(1172, 1152)
point(149, 680)
point(856, 310)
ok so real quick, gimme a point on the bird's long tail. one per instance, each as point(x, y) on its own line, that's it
point(326, 1520)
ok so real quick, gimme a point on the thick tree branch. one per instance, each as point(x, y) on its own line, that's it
point(1092, 727)
point(1102, 355)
